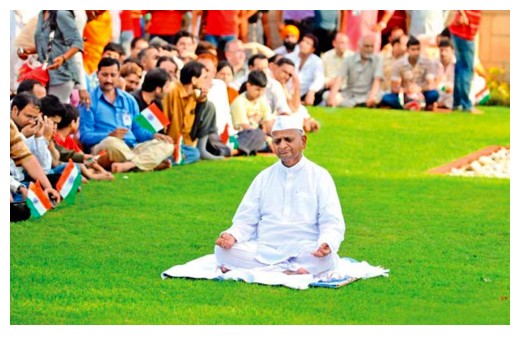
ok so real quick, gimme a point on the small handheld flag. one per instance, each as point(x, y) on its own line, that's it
point(178, 158)
point(37, 200)
point(152, 119)
point(69, 182)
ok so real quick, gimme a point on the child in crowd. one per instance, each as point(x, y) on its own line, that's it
point(252, 116)
point(64, 136)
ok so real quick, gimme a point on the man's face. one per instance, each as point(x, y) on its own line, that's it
point(284, 73)
point(210, 66)
point(29, 115)
point(307, 46)
point(260, 65)
point(185, 46)
point(170, 67)
point(400, 48)
point(55, 120)
point(139, 45)
point(367, 48)
point(291, 38)
point(132, 82)
point(150, 59)
point(340, 43)
point(164, 90)
point(254, 92)
point(446, 54)
point(413, 52)
point(289, 145)
point(236, 55)
point(107, 77)
point(200, 82)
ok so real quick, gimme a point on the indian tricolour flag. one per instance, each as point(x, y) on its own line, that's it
point(37, 200)
point(178, 158)
point(152, 119)
point(69, 182)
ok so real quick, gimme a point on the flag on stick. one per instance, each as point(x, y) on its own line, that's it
point(152, 119)
point(69, 182)
point(178, 158)
point(37, 200)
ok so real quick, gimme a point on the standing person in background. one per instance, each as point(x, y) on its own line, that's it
point(325, 27)
point(357, 24)
point(165, 24)
point(220, 27)
point(97, 34)
point(398, 20)
point(302, 19)
point(463, 30)
point(55, 50)
point(127, 18)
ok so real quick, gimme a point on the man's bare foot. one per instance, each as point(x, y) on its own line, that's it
point(476, 111)
point(224, 269)
point(298, 271)
point(103, 176)
point(165, 164)
point(122, 167)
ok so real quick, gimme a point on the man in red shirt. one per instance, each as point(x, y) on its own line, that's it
point(220, 27)
point(463, 29)
point(165, 24)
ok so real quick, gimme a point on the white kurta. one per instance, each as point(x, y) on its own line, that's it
point(287, 213)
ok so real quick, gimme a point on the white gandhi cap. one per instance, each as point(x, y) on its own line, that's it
point(283, 122)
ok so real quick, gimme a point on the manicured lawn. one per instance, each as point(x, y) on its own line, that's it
point(445, 239)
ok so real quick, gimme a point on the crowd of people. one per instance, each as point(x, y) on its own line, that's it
point(80, 79)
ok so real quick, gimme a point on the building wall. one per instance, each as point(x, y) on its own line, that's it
point(494, 40)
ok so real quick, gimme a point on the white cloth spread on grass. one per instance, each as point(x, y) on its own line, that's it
point(346, 271)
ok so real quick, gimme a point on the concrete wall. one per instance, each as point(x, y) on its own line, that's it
point(494, 40)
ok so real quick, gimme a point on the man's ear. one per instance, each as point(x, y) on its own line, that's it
point(14, 110)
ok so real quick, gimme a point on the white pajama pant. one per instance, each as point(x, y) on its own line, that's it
point(146, 155)
point(246, 256)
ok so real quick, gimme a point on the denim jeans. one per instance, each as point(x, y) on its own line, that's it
point(464, 52)
point(219, 41)
point(190, 154)
point(392, 99)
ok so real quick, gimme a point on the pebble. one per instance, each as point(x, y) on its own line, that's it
point(495, 165)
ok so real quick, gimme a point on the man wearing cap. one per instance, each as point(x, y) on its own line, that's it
point(290, 35)
point(290, 219)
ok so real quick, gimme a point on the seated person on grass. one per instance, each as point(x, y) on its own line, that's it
point(64, 137)
point(284, 71)
point(362, 73)
point(415, 76)
point(192, 116)
point(110, 125)
point(290, 219)
point(445, 76)
point(251, 115)
point(21, 156)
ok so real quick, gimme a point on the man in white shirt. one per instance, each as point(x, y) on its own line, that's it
point(333, 59)
point(309, 68)
point(290, 219)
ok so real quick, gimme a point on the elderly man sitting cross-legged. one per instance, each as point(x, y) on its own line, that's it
point(290, 219)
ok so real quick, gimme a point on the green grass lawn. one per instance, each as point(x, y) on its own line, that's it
point(445, 239)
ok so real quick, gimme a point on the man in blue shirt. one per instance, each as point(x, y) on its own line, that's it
point(109, 125)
